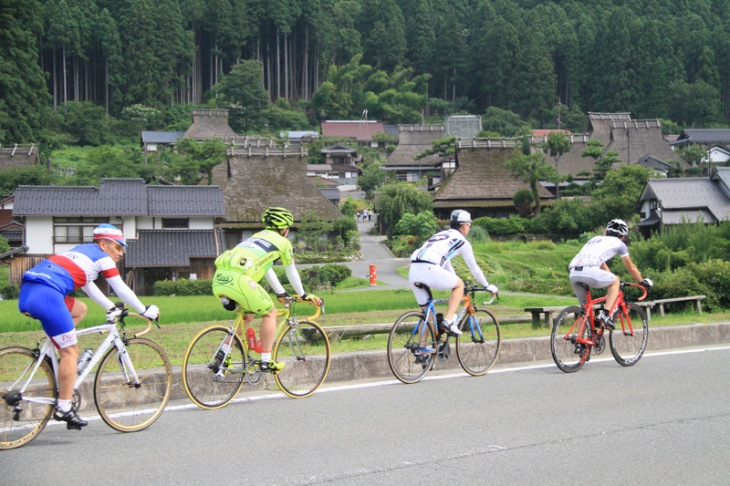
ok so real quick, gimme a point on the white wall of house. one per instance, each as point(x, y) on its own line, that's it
point(39, 235)
point(201, 224)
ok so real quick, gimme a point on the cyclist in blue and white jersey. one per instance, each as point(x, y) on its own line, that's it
point(431, 266)
point(44, 295)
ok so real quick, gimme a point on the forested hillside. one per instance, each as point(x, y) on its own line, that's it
point(654, 58)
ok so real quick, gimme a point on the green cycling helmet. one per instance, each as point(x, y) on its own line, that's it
point(278, 218)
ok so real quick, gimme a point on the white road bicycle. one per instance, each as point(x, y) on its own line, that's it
point(131, 389)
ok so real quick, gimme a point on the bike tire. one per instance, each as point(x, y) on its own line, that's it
point(405, 362)
point(127, 406)
point(477, 348)
point(566, 353)
point(200, 381)
point(627, 349)
point(304, 349)
point(16, 363)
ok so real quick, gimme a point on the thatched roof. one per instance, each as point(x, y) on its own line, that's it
point(251, 184)
point(482, 181)
point(634, 140)
point(210, 124)
point(15, 156)
point(414, 139)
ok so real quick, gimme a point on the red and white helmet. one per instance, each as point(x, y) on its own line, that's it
point(109, 232)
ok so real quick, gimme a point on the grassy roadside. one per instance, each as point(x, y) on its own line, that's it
point(202, 311)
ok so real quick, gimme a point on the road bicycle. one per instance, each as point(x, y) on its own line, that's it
point(417, 338)
point(219, 359)
point(132, 385)
point(575, 335)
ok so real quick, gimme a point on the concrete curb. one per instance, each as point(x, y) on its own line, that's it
point(369, 365)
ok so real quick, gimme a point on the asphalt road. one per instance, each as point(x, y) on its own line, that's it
point(664, 421)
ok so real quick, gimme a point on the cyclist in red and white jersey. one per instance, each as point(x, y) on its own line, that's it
point(431, 266)
point(44, 295)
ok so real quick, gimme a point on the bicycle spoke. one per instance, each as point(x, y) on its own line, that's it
point(478, 346)
point(304, 349)
point(565, 346)
point(409, 333)
point(126, 404)
point(628, 340)
point(20, 419)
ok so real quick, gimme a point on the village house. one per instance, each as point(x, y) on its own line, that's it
point(170, 230)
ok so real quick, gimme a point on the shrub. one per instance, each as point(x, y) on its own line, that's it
point(325, 276)
point(501, 226)
point(9, 291)
point(182, 286)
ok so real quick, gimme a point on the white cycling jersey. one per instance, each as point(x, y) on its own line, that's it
point(599, 250)
point(445, 245)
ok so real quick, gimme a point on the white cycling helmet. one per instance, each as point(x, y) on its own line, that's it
point(617, 227)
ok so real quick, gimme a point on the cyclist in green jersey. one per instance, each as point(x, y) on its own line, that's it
point(239, 270)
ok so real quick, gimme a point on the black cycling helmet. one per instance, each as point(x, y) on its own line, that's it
point(617, 227)
point(278, 218)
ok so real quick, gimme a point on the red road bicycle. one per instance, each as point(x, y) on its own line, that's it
point(575, 334)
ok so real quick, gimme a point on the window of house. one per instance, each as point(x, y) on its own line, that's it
point(75, 230)
point(175, 223)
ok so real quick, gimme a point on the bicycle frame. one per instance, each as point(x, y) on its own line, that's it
point(113, 339)
point(589, 314)
point(467, 307)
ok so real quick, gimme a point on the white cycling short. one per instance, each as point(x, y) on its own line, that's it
point(594, 277)
point(433, 276)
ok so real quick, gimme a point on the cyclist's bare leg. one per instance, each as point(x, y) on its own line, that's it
point(457, 293)
point(67, 370)
point(78, 311)
point(268, 331)
point(612, 295)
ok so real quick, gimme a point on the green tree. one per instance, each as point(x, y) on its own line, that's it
point(242, 91)
point(604, 161)
point(37, 175)
point(531, 169)
point(556, 145)
point(86, 122)
point(373, 176)
point(616, 197)
point(195, 160)
point(23, 93)
point(397, 199)
point(504, 122)
point(693, 154)
point(422, 225)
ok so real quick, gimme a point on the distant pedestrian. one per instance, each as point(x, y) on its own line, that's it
point(370, 215)
point(364, 215)
point(357, 216)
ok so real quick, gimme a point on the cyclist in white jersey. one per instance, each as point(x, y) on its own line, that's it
point(431, 266)
point(589, 267)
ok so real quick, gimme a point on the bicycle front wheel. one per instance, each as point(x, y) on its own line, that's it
point(628, 340)
point(407, 341)
point(566, 350)
point(208, 384)
point(304, 349)
point(127, 405)
point(478, 346)
point(21, 418)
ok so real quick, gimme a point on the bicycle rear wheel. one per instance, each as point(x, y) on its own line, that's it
point(567, 352)
point(409, 333)
point(21, 420)
point(304, 349)
point(627, 347)
point(478, 346)
point(125, 405)
point(204, 386)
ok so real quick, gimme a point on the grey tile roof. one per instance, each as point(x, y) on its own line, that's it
point(704, 136)
point(119, 197)
point(688, 196)
point(172, 248)
point(186, 201)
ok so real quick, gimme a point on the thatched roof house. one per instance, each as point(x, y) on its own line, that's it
point(210, 124)
point(15, 156)
point(482, 185)
point(414, 139)
point(252, 183)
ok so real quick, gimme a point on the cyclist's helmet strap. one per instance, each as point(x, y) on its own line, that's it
point(617, 227)
point(277, 218)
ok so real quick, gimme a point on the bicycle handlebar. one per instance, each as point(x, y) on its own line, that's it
point(472, 290)
point(645, 291)
point(289, 300)
point(126, 313)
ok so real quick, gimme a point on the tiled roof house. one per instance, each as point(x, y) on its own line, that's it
point(170, 230)
point(665, 202)
point(414, 139)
